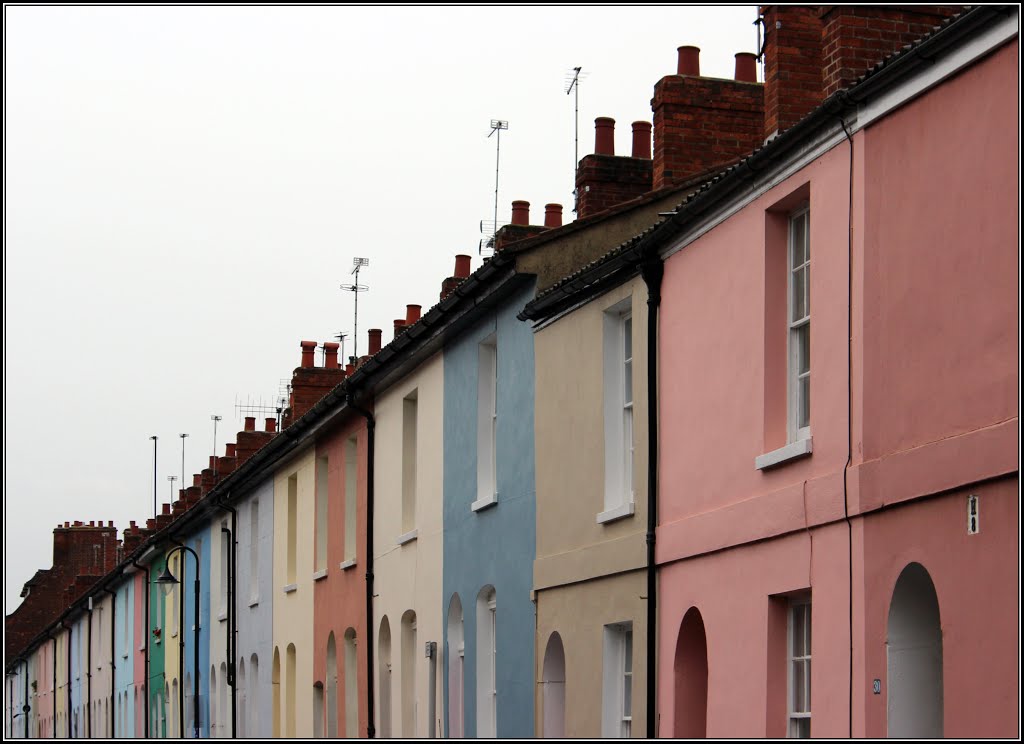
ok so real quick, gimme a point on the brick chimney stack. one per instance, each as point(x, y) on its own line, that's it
point(702, 123)
point(462, 270)
point(310, 383)
point(603, 179)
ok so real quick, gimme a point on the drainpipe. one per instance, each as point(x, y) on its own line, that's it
point(88, 673)
point(370, 427)
point(145, 641)
point(26, 707)
point(652, 271)
point(113, 656)
point(231, 615)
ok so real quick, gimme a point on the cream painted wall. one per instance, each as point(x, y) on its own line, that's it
point(408, 577)
point(578, 613)
point(569, 425)
point(293, 609)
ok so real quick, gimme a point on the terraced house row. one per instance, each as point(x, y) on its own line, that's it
point(734, 453)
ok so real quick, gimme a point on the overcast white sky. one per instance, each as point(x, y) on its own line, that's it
point(186, 187)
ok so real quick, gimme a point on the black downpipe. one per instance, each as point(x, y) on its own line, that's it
point(26, 707)
point(145, 636)
point(652, 271)
point(232, 632)
point(88, 673)
point(113, 656)
point(371, 730)
point(849, 409)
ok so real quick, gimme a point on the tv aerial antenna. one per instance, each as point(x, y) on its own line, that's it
point(356, 288)
point(341, 336)
point(497, 125)
point(572, 83)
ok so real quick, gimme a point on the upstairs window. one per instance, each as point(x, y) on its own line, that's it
point(322, 512)
point(799, 326)
point(618, 412)
point(409, 434)
point(351, 463)
point(487, 424)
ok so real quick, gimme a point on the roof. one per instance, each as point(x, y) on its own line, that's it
point(624, 261)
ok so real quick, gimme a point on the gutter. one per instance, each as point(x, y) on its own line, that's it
point(370, 433)
point(652, 271)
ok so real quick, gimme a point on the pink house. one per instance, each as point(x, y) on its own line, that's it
point(838, 520)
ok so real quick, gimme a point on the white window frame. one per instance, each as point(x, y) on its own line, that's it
point(619, 439)
point(616, 711)
point(801, 605)
point(794, 325)
point(487, 425)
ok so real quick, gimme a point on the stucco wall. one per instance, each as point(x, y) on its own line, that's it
point(493, 546)
point(293, 610)
point(340, 597)
point(578, 613)
point(255, 609)
point(570, 430)
point(408, 577)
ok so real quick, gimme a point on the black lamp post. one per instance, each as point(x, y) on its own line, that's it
point(168, 579)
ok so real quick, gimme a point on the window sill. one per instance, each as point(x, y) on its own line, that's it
point(321, 574)
point(222, 615)
point(289, 588)
point(616, 513)
point(793, 450)
point(484, 503)
point(408, 537)
point(346, 565)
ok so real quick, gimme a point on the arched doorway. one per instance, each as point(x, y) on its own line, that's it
point(384, 656)
point(553, 692)
point(914, 657)
point(456, 669)
point(691, 678)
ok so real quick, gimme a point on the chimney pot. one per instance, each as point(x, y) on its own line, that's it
point(746, 67)
point(110, 523)
point(250, 423)
point(150, 524)
point(374, 341)
point(213, 462)
point(412, 314)
point(399, 325)
point(604, 136)
point(462, 262)
point(642, 139)
point(331, 354)
point(689, 61)
point(166, 508)
point(270, 424)
point(197, 480)
point(520, 212)
point(229, 449)
point(92, 523)
point(552, 215)
point(308, 347)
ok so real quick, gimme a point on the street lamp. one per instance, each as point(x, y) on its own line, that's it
point(167, 579)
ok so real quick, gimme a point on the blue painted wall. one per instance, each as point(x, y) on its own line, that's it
point(495, 546)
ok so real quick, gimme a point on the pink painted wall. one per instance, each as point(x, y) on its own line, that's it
point(339, 600)
point(977, 582)
point(934, 380)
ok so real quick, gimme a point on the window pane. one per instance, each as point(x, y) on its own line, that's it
point(797, 630)
point(800, 728)
point(627, 696)
point(628, 339)
point(799, 696)
point(807, 235)
point(627, 383)
point(628, 661)
point(805, 402)
point(807, 288)
point(803, 349)
point(798, 299)
point(799, 227)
